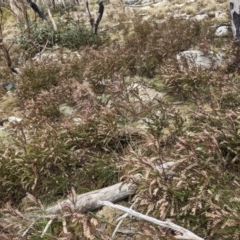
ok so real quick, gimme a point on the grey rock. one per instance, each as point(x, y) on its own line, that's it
point(13, 119)
point(200, 17)
point(130, 1)
point(196, 58)
point(8, 86)
point(66, 110)
point(221, 31)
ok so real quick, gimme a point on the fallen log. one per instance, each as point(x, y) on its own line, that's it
point(89, 201)
point(79, 203)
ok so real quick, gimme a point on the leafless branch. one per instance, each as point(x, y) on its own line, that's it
point(99, 16)
point(186, 234)
point(52, 20)
point(4, 48)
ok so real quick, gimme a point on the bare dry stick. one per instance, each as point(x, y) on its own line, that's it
point(26, 231)
point(186, 233)
point(5, 50)
point(52, 20)
point(63, 3)
point(47, 226)
point(120, 219)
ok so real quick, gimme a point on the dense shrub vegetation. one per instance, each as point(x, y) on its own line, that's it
point(68, 34)
point(118, 129)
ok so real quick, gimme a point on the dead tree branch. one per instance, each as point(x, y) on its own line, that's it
point(186, 234)
point(89, 201)
point(76, 203)
point(52, 20)
point(3, 47)
point(94, 23)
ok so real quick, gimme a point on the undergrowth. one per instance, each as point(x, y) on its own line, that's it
point(120, 126)
point(69, 34)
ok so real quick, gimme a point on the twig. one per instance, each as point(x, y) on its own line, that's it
point(47, 226)
point(52, 20)
point(186, 233)
point(64, 223)
point(26, 231)
point(63, 3)
point(120, 219)
point(5, 50)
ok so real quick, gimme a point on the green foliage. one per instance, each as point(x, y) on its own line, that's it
point(195, 85)
point(69, 34)
point(203, 190)
point(61, 9)
point(51, 159)
point(37, 78)
point(142, 51)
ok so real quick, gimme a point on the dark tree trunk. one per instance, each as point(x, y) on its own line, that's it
point(235, 15)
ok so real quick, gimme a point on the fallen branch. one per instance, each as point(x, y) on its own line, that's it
point(80, 203)
point(89, 201)
point(186, 233)
point(120, 219)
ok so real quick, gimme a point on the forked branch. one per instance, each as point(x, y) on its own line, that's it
point(3, 47)
point(94, 23)
point(186, 234)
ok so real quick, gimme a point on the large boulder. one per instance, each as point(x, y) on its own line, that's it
point(199, 59)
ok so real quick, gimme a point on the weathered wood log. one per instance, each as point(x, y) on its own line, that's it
point(89, 201)
point(235, 15)
point(81, 203)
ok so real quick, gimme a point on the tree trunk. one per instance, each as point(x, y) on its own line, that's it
point(235, 15)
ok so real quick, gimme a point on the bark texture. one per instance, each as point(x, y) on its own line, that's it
point(235, 15)
point(90, 201)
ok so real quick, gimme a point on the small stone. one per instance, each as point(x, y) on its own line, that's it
point(66, 110)
point(200, 17)
point(13, 119)
point(130, 1)
point(221, 31)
